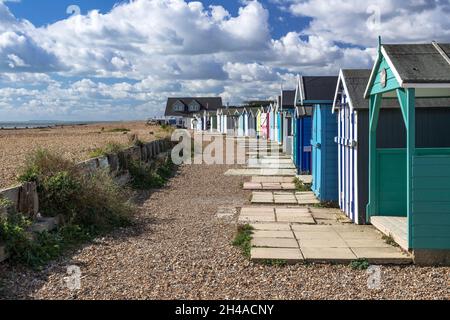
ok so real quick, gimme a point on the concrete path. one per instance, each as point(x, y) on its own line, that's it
point(297, 198)
point(272, 179)
point(294, 242)
point(276, 214)
point(261, 172)
point(269, 186)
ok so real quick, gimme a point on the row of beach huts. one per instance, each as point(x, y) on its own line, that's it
point(375, 141)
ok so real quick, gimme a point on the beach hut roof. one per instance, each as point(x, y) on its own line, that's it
point(416, 65)
point(312, 89)
point(354, 82)
point(288, 98)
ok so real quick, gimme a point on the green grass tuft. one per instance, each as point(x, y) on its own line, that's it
point(243, 239)
point(360, 264)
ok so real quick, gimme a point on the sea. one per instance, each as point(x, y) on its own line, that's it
point(43, 124)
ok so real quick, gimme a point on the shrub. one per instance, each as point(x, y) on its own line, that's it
point(88, 200)
point(144, 178)
point(109, 148)
point(119, 130)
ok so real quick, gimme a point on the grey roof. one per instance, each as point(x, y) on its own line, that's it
point(206, 103)
point(288, 98)
point(304, 111)
point(356, 82)
point(420, 63)
point(319, 88)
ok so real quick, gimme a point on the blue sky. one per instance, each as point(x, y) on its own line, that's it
point(124, 61)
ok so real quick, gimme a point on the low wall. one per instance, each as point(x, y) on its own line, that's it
point(25, 199)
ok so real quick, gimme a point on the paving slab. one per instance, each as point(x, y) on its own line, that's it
point(316, 228)
point(252, 186)
point(273, 179)
point(260, 172)
point(367, 243)
point(271, 226)
point(257, 218)
point(322, 243)
point(359, 235)
point(274, 243)
point(289, 255)
point(288, 186)
point(301, 235)
point(295, 219)
point(273, 234)
point(257, 211)
point(328, 255)
point(297, 211)
point(271, 186)
point(389, 255)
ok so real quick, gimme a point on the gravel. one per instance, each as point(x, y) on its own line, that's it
point(73, 142)
point(179, 249)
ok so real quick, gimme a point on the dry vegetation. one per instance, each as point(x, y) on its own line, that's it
point(75, 143)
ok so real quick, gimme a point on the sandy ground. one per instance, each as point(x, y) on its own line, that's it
point(179, 249)
point(74, 142)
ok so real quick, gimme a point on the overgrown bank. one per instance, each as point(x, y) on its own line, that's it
point(78, 202)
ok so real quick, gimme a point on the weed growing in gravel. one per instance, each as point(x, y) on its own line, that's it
point(144, 177)
point(327, 205)
point(109, 148)
point(390, 240)
point(360, 264)
point(243, 239)
point(300, 186)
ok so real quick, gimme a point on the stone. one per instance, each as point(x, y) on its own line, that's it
point(289, 255)
point(389, 255)
point(327, 255)
point(44, 225)
point(273, 234)
point(103, 163)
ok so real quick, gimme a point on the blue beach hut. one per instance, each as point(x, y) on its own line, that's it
point(318, 94)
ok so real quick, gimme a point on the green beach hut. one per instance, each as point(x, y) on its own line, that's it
point(409, 188)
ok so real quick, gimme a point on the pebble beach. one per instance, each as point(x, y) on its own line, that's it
point(74, 142)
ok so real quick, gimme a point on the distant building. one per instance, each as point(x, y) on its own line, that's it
point(194, 111)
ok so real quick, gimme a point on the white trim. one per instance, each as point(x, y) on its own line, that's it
point(372, 75)
point(443, 54)
point(391, 65)
point(341, 76)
